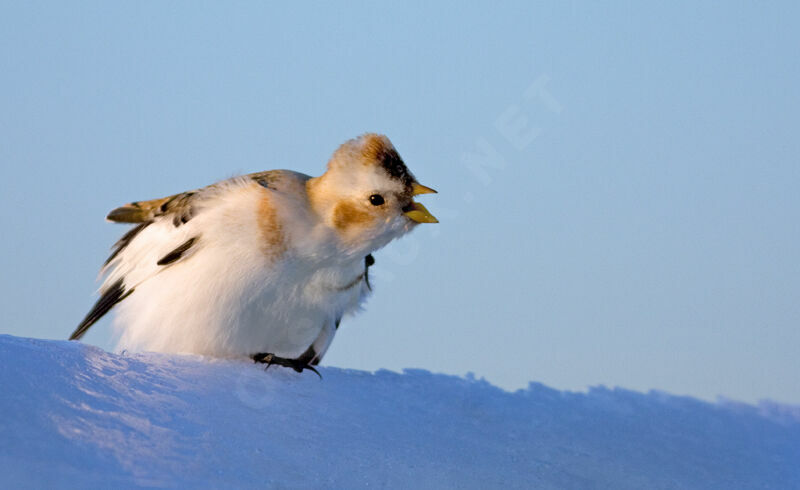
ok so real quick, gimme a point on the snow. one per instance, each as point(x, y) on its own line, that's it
point(75, 416)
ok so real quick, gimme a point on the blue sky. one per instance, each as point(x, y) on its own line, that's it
point(617, 183)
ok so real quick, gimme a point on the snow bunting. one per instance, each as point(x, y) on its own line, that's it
point(264, 265)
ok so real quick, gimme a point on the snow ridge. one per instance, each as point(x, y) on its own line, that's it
point(73, 415)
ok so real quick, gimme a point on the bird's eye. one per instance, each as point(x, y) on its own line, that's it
point(376, 199)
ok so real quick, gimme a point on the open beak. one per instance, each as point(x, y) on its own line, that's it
point(416, 211)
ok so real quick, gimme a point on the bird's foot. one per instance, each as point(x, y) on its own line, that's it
point(296, 364)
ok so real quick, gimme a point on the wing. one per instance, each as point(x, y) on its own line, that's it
point(164, 235)
point(112, 295)
point(180, 206)
point(123, 279)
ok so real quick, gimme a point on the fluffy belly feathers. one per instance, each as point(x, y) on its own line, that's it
point(233, 309)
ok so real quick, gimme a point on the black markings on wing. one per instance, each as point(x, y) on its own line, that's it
point(110, 297)
point(177, 253)
point(144, 213)
point(267, 179)
point(180, 208)
point(126, 239)
point(183, 210)
point(117, 292)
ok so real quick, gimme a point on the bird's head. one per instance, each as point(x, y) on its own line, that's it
point(367, 194)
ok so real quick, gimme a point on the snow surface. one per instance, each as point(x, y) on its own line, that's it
point(73, 415)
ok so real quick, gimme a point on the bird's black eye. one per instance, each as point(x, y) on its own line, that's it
point(376, 199)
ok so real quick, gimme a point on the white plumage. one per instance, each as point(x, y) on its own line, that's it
point(264, 264)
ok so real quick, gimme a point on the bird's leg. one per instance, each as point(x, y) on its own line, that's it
point(297, 364)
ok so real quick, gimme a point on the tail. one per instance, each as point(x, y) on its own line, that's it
point(111, 296)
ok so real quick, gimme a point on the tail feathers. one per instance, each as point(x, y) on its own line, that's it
point(178, 206)
point(140, 211)
point(110, 297)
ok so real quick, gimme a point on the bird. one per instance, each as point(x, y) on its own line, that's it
point(264, 265)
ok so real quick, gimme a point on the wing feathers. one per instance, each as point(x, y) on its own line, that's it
point(177, 253)
point(177, 209)
point(126, 239)
point(110, 297)
point(180, 206)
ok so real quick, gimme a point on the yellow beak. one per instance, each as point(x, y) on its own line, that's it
point(417, 189)
point(419, 214)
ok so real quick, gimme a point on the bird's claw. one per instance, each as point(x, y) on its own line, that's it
point(296, 364)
